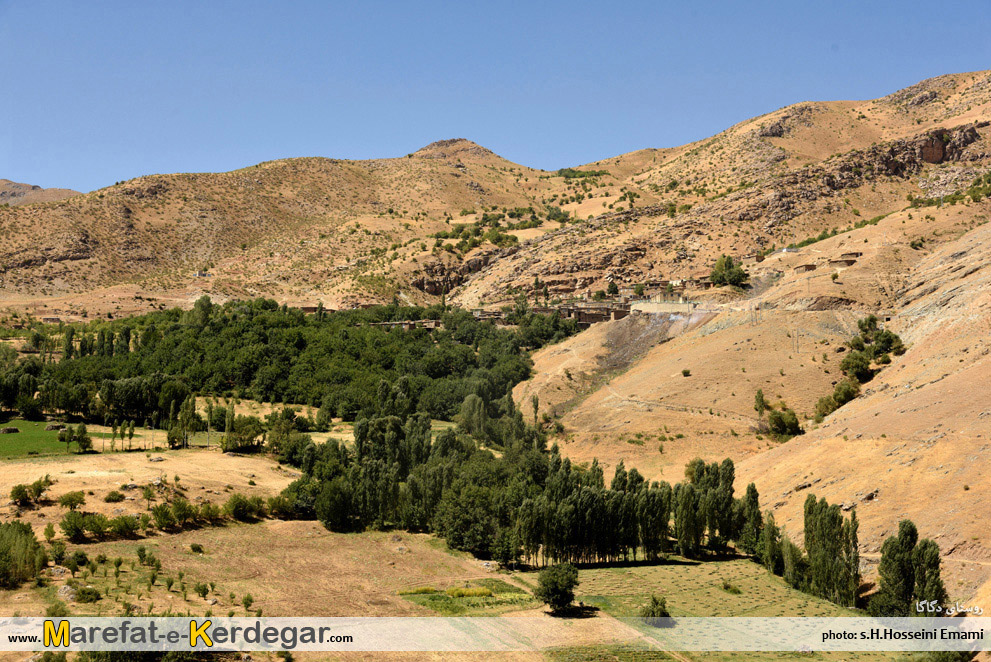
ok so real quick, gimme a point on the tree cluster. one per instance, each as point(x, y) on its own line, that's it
point(145, 368)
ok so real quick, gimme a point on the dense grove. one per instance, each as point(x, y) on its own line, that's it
point(143, 368)
point(523, 503)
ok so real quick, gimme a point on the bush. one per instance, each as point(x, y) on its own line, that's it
point(845, 391)
point(556, 586)
point(784, 423)
point(857, 366)
point(210, 513)
point(58, 609)
point(124, 526)
point(731, 588)
point(73, 525)
point(87, 594)
point(686, 373)
point(114, 497)
point(656, 608)
point(72, 500)
point(196, 548)
point(97, 524)
point(163, 517)
point(19, 494)
point(183, 511)
point(57, 551)
point(242, 508)
point(279, 507)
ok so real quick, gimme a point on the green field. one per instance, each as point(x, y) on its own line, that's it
point(31, 440)
point(696, 589)
point(504, 598)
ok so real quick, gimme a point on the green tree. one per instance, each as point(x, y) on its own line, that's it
point(760, 404)
point(81, 436)
point(896, 573)
point(857, 365)
point(725, 272)
point(556, 586)
point(72, 500)
point(928, 582)
point(753, 522)
point(656, 608)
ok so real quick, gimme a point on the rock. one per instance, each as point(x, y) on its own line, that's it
point(157, 458)
point(9, 430)
point(66, 593)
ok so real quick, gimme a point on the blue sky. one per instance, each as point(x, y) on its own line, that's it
point(95, 92)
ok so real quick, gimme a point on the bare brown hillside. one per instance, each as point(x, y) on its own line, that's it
point(13, 193)
point(344, 232)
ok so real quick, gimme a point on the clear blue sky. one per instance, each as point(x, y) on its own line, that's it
point(94, 92)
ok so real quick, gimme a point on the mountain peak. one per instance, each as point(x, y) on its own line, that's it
point(453, 147)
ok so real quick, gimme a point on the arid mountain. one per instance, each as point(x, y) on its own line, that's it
point(309, 229)
point(12, 193)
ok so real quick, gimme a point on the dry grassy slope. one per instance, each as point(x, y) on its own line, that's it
point(929, 405)
point(296, 229)
point(772, 180)
point(13, 193)
point(922, 426)
point(301, 230)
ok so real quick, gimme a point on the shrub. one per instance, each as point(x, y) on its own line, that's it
point(784, 423)
point(279, 507)
point(201, 589)
point(163, 517)
point(73, 525)
point(19, 494)
point(114, 497)
point(556, 586)
point(183, 511)
point(686, 373)
point(57, 609)
point(57, 551)
point(241, 507)
point(857, 366)
point(37, 488)
point(210, 512)
point(87, 594)
point(97, 524)
point(731, 588)
point(124, 526)
point(846, 391)
point(72, 500)
point(196, 548)
point(655, 608)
